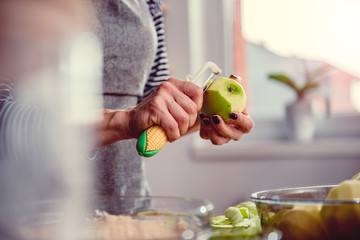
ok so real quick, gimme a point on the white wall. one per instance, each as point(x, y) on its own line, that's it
point(175, 171)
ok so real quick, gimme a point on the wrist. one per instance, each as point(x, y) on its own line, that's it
point(114, 127)
point(121, 124)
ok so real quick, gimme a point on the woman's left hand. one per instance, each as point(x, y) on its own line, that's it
point(219, 132)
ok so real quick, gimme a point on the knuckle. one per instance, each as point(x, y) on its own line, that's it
point(171, 79)
point(184, 119)
point(173, 127)
point(193, 108)
point(155, 103)
point(165, 86)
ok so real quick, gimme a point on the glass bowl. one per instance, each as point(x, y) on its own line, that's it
point(190, 217)
point(121, 217)
point(304, 213)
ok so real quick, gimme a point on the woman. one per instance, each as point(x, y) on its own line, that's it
point(135, 68)
point(136, 86)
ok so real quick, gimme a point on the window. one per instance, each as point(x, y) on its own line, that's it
point(299, 36)
point(296, 37)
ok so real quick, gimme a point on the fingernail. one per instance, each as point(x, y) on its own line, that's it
point(202, 116)
point(206, 122)
point(216, 120)
point(233, 116)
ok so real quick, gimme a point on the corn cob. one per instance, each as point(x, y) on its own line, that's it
point(151, 141)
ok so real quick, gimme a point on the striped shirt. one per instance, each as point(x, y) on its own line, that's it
point(160, 68)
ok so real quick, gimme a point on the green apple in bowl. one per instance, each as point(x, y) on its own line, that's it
point(224, 96)
point(342, 219)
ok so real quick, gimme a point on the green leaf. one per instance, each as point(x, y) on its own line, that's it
point(286, 80)
point(308, 86)
point(311, 85)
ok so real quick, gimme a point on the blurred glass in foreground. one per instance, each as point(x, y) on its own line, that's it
point(50, 88)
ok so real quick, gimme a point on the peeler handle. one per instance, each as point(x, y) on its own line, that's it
point(151, 141)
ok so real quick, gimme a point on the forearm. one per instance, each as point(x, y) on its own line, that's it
point(114, 127)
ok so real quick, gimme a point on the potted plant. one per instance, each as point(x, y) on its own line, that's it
point(299, 114)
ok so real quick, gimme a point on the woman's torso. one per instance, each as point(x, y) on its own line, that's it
point(129, 41)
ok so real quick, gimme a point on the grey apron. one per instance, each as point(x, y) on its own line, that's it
point(128, 34)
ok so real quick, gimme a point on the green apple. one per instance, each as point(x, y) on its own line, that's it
point(342, 220)
point(347, 190)
point(224, 96)
point(300, 224)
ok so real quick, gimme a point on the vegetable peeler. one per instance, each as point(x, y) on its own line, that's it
point(154, 138)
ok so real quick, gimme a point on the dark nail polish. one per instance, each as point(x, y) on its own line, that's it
point(216, 120)
point(206, 122)
point(202, 116)
point(233, 116)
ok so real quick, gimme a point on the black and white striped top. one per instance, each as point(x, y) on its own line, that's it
point(160, 68)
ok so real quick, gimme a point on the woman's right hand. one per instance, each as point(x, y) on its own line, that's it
point(174, 106)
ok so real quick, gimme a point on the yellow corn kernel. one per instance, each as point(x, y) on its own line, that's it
point(155, 138)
